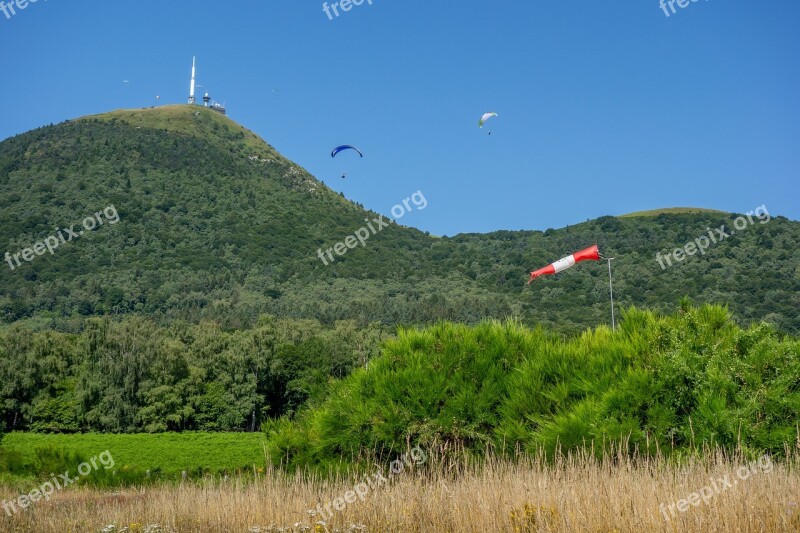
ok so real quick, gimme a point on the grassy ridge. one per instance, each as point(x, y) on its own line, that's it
point(197, 122)
point(671, 383)
point(671, 211)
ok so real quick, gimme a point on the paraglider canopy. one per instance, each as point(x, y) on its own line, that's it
point(485, 117)
point(343, 148)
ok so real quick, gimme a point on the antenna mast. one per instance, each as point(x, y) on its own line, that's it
point(191, 87)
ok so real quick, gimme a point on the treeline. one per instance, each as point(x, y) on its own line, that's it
point(134, 375)
point(656, 384)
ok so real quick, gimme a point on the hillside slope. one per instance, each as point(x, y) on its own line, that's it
point(214, 223)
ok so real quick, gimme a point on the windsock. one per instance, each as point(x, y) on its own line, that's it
point(589, 254)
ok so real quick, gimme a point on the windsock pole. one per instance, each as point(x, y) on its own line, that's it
point(611, 291)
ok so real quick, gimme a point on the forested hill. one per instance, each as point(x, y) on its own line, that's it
point(214, 223)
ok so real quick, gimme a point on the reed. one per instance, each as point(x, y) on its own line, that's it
point(578, 491)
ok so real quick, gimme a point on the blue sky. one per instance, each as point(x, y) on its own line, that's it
point(604, 107)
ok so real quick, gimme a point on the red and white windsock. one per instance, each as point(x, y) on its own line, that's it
point(589, 254)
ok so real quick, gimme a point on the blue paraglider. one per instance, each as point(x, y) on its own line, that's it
point(343, 148)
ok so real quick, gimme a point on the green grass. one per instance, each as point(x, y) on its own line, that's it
point(169, 453)
point(188, 120)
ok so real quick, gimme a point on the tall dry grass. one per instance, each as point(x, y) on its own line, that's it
point(574, 493)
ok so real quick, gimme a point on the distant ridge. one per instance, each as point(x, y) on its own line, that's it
point(672, 211)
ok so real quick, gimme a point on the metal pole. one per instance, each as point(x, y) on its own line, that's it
point(611, 290)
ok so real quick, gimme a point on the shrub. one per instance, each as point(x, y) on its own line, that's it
point(679, 382)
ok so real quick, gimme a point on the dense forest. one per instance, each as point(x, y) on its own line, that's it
point(322, 393)
point(215, 225)
point(133, 375)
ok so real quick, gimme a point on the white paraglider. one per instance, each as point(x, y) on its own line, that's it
point(485, 117)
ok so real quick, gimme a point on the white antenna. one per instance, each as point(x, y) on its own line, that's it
point(191, 87)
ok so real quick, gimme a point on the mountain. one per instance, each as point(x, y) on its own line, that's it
point(192, 216)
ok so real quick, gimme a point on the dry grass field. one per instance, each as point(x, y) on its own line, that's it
point(574, 493)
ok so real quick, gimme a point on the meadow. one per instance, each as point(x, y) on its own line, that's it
point(165, 455)
point(576, 492)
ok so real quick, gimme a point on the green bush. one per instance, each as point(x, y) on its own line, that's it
point(679, 382)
